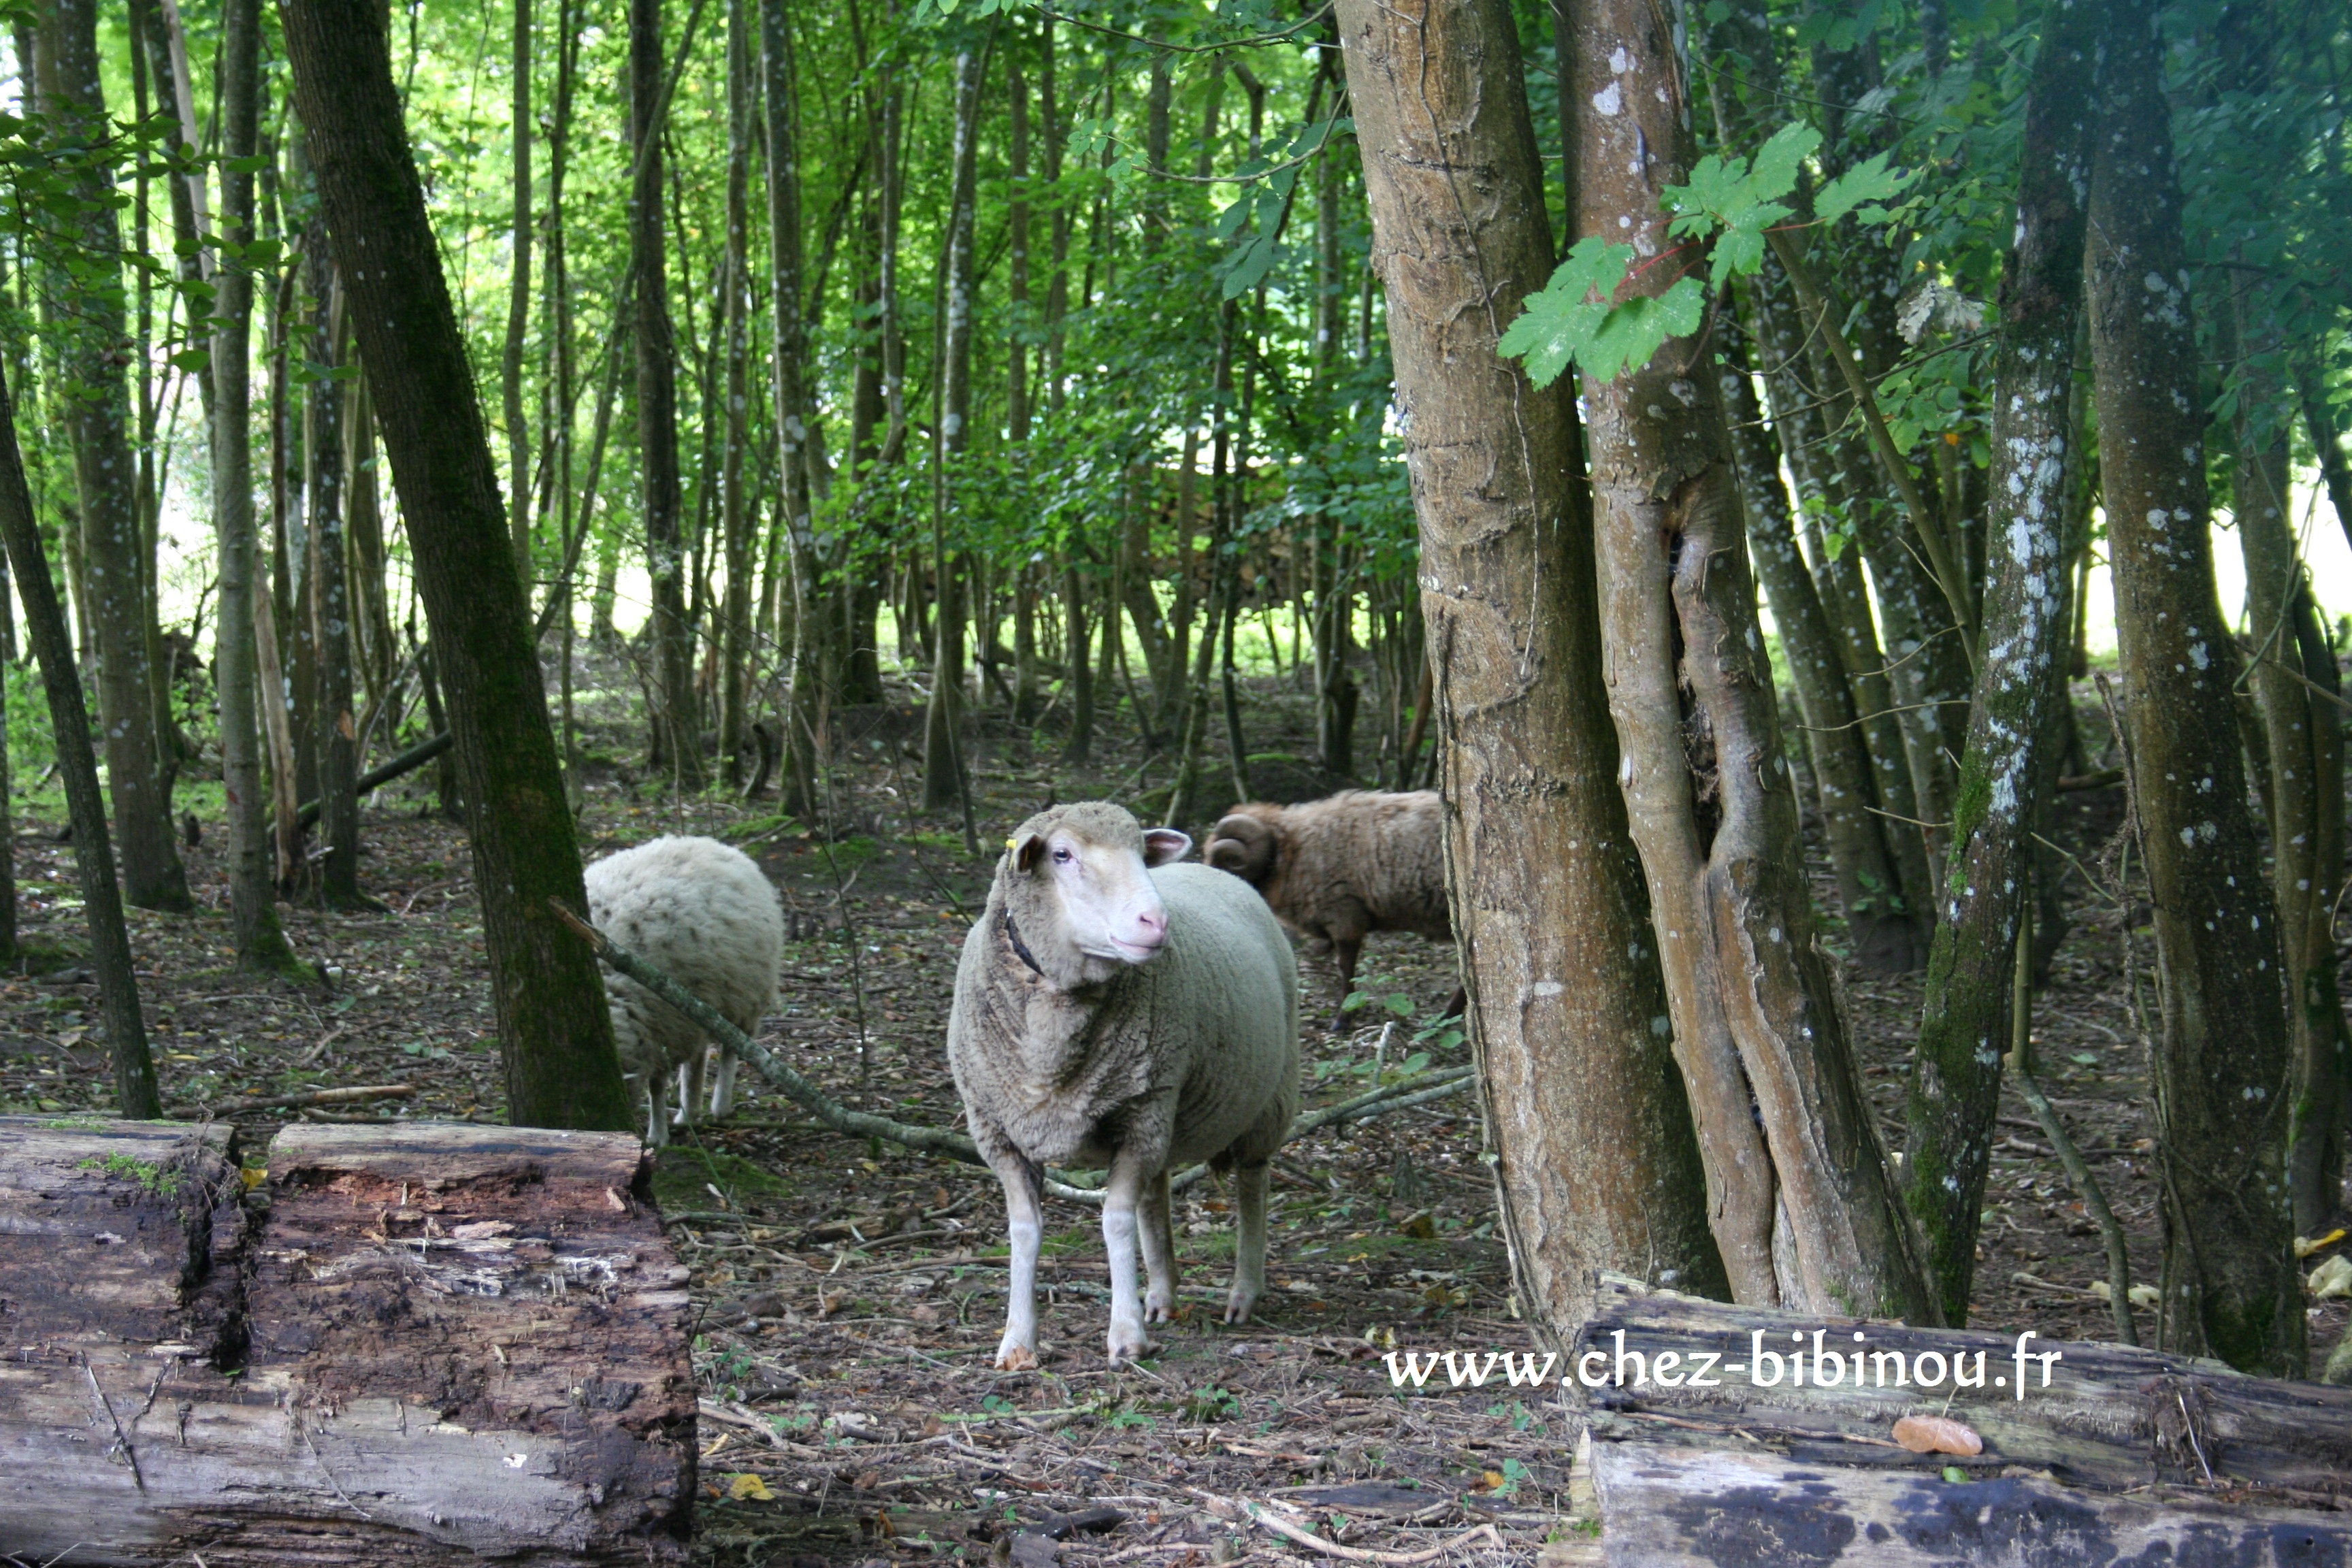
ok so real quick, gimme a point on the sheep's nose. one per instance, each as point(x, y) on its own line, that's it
point(1150, 926)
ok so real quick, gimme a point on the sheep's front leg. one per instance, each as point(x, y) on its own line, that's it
point(1159, 1252)
point(1024, 1225)
point(1249, 1242)
point(1129, 1175)
point(689, 1089)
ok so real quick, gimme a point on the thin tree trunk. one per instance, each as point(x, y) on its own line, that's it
point(736, 512)
point(1972, 972)
point(1030, 581)
point(801, 792)
point(1077, 648)
point(2222, 1059)
point(518, 297)
point(328, 608)
point(1590, 1136)
point(678, 731)
point(1838, 578)
point(1709, 791)
point(379, 654)
point(2296, 687)
point(1885, 933)
point(97, 414)
point(260, 943)
point(943, 780)
point(553, 1030)
point(135, 1093)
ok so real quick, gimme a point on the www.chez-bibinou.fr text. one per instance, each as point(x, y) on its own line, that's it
point(1816, 1364)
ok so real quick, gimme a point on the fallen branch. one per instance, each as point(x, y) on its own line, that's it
point(1228, 1508)
point(302, 1098)
point(409, 762)
point(937, 1140)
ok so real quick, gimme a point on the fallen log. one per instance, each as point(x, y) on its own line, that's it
point(1771, 1427)
point(426, 1344)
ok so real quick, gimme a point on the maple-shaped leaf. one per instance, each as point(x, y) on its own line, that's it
point(1868, 180)
point(1559, 322)
point(1631, 334)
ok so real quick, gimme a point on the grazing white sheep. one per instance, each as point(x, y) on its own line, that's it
point(1334, 870)
point(703, 913)
point(1110, 1015)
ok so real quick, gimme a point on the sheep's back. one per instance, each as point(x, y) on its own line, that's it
point(1227, 985)
point(1363, 862)
point(704, 914)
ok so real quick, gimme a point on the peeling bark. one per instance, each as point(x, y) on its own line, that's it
point(1588, 1127)
point(1709, 793)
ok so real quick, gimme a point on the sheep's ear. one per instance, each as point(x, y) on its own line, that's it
point(1165, 846)
point(1026, 851)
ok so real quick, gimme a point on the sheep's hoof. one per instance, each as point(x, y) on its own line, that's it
point(1130, 1344)
point(1015, 1358)
point(1238, 1305)
point(1159, 1309)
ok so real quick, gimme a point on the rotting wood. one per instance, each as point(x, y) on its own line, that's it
point(2124, 1451)
point(436, 1342)
point(1665, 1507)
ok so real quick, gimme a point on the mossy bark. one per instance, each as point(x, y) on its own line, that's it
point(2221, 1064)
point(1954, 1088)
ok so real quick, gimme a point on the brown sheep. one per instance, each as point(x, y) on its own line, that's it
point(1335, 871)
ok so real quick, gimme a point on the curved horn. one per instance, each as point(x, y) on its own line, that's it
point(1243, 845)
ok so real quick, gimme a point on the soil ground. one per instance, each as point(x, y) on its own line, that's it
point(852, 1294)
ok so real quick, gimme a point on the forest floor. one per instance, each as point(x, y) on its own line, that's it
point(852, 1295)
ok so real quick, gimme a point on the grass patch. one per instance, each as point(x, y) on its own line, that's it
point(683, 1174)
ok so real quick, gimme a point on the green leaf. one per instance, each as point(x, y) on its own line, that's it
point(1630, 335)
point(1777, 161)
point(1559, 323)
point(1399, 1003)
point(1868, 180)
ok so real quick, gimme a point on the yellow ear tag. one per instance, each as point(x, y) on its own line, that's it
point(1011, 843)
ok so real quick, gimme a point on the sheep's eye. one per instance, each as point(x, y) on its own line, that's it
point(1062, 855)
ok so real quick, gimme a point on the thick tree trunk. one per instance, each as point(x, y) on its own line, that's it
point(557, 1039)
point(1755, 1013)
point(97, 416)
point(438, 1344)
point(679, 733)
point(1591, 1138)
point(1885, 933)
point(2223, 1060)
point(45, 627)
point(253, 909)
point(1965, 1026)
